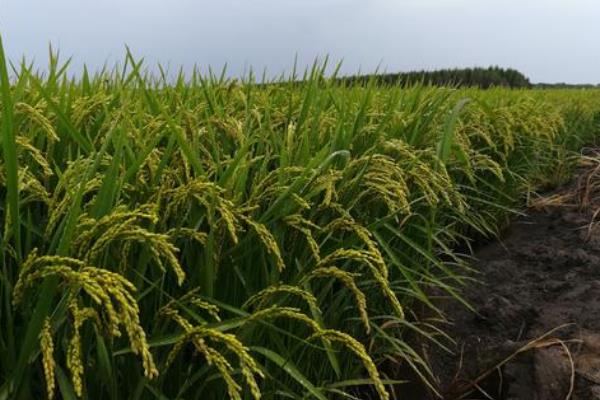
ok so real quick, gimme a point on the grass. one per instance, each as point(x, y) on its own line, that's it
point(210, 238)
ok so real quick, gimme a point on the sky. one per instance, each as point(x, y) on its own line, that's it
point(548, 40)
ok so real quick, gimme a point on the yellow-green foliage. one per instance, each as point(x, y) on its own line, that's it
point(205, 238)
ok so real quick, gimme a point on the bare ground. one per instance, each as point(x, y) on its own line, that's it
point(536, 330)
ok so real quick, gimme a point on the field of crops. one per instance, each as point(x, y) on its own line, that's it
point(205, 238)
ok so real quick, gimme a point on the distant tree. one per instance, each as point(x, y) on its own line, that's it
point(476, 77)
point(563, 85)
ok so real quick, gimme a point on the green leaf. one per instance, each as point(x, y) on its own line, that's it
point(445, 144)
point(64, 385)
point(9, 149)
point(83, 142)
point(290, 368)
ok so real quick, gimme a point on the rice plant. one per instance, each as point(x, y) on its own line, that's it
point(209, 238)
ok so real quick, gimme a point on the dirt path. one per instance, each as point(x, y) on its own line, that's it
point(543, 273)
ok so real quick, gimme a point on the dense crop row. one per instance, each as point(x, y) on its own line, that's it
point(208, 238)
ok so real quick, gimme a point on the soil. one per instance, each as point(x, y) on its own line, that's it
point(535, 332)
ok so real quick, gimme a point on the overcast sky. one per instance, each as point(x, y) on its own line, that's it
point(548, 40)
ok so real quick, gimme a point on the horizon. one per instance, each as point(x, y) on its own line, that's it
point(545, 40)
point(172, 72)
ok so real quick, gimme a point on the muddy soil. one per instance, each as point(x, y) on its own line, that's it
point(542, 274)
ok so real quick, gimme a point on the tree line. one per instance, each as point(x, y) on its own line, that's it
point(465, 77)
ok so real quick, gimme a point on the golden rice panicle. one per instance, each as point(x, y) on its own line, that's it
point(300, 201)
point(424, 171)
point(112, 293)
point(261, 297)
point(248, 366)
point(74, 358)
point(304, 226)
point(26, 267)
point(210, 308)
point(383, 179)
point(197, 336)
point(197, 236)
point(84, 107)
point(161, 247)
point(210, 196)
point(270, 186)
point(268, 240)
point(120, 216)
point(349, 224)
point(174, 352)
point(123, 227)
point(62, 198)
point(213, 357)
point(35, 154)
point(359, 350)
point(387, 291)
point(286, 312)
point(365, 258)
point(173, 314)
point(47, 348)
point(327, 183)
point(484, 162)
point(147, 170)
point(31, 188)
point(121, 290)
point(289, 138)
point(36, 115)
point(348, 279)
point(190, 298)
point(345, 254)
point(226, 209)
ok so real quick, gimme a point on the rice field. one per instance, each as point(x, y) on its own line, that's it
point(208, 238)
